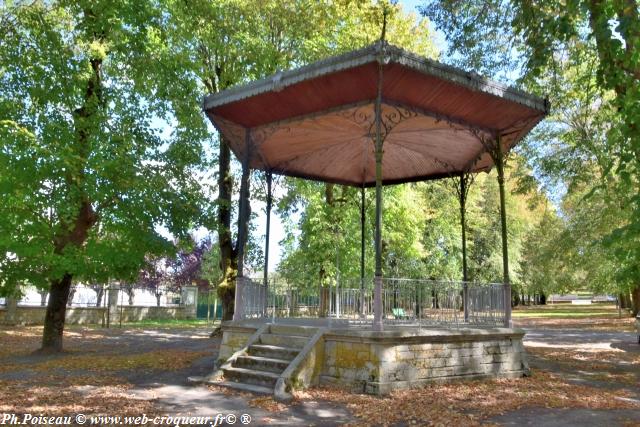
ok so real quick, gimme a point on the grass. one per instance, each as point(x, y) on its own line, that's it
point(569, 311)
point(169, 323)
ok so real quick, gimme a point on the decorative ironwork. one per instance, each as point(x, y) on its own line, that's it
point(393, 115)
point(228, 129)
point(449, 167)
point(361, 116)
point(261, 134)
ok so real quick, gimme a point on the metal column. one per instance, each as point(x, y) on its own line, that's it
point(463, 207)
point(499, 160)
point(267, 237)
point(377, 295)
point(362, 249)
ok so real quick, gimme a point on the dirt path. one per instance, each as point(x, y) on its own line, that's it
point(603, 359)
point(148, 368)
point(581, 377)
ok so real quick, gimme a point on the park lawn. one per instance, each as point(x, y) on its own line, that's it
point(170, 323)
point(601, 316)
point(569, 311)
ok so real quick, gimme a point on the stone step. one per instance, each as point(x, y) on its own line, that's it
point(249, 376)
point(306, 331)
point(252, 388)
point(292, 341)
point(259, 363)
point(273, 351)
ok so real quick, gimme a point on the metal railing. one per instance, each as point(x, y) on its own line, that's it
point(486, 304)
point(422, 302)
point(442, 303)
point(404, 301)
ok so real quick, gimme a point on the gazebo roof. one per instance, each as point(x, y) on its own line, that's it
point(318, 121)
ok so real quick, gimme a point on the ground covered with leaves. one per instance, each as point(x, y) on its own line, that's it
point(578, 373)
point(97, 373)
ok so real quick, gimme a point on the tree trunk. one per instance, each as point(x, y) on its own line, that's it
point(516, 299)
point(635, 292)
point(99, 294)
point(228, 255)
point(72, 292)
point(56, 311)
point(43, 298)
point(627, 300)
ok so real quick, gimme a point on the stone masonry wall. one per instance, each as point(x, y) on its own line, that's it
point(98, 315)
point(233, 339)
point(379, 362)
point(379, 367)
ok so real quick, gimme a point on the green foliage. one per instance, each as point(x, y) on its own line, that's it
point(585, 56)
point(421, 231)
point(87, 178)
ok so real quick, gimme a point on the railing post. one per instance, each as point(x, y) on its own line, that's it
point(238, 306)
point(265, 299)
point(419, 286)
point(507, 305)
point(465, 301)
point(273, 301)
point(377, 304)
point(338, 299)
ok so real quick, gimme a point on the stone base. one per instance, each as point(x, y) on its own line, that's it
point(379, 362)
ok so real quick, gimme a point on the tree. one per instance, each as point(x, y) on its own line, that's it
point(580, 47)
point(83, 100)
point(186, 267)
point(153, 277)
point(544, 266)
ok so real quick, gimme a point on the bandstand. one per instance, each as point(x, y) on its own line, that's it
point(372, 117)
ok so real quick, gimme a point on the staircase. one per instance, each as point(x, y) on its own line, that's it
point(260, 367)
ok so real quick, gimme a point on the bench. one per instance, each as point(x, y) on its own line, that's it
point(399, 314)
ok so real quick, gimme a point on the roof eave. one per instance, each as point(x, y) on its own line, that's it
point(369, 54)
point(282, 79)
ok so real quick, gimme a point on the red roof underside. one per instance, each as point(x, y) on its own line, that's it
point(400, 85)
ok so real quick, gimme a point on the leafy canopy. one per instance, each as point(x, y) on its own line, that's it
point(85, 101)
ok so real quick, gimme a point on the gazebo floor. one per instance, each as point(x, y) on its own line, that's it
point(296, 353)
